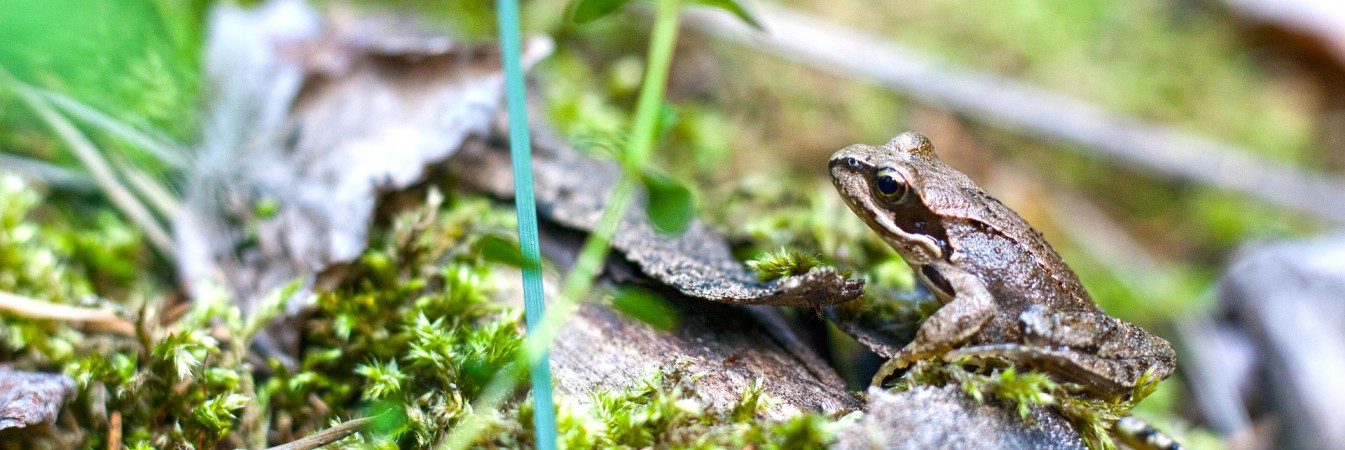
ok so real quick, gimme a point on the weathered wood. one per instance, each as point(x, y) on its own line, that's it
point(728, 347)
point(572, 189)
point(28, 398)
point(724, 345)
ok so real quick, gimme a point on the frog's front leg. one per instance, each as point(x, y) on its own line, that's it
point(1105, 356)
point(972, 306)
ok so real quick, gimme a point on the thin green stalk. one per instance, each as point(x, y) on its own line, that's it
point(594, 253)
point(525, 205)
point(577, 284)
point(661, 44)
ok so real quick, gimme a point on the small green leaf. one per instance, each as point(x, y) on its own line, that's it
point(390, 419)
point(672, 204)
point(734, 7)
point(585, 11)
point(266, 208)
point(668, 117)
point(500, 249)
point(646, 307)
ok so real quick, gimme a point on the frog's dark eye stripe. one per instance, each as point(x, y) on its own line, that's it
point(890, 185)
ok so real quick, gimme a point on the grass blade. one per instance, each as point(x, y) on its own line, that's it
point(103, 173)
point(160, 147)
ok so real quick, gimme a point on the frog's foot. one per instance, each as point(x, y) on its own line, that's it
point(1099, 377)
point(1140, 435)
point(898, 364)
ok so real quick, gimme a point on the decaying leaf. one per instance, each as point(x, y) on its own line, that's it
point(312, 120)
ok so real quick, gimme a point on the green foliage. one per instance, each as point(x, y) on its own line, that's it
point(75, 47)
point(664, 410)
point(502, 249)
point(189, 390)
point(782, 263)
point(672, 204)
point(30, 259)
point(585, 11)
point(382, 379)
point(59, 264)
point(646, 306)
point(734, 7)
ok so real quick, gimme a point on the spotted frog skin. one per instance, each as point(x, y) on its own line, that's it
point(1006, 294)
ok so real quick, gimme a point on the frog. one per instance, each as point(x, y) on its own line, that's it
point(1005, 294)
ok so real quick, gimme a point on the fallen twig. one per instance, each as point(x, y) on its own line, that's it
point(114, 431)
point(326, 436)
point(101, 319)
point(1022, 107)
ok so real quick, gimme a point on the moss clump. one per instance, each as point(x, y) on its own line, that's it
point(1093, 418)
point(177, 382)
point(782, 263)
point(664, 410)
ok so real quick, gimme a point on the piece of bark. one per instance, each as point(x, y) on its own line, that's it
point(946, 418)
point(724, 346)
point(1278, 343)
point(727, 347)
point(311, 121)
point(28, 398)
point(572, 189)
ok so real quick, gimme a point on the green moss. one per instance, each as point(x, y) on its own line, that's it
point(664, 410)
point(1024, 390)
point(782, 263)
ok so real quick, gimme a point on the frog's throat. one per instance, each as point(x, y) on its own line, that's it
point(916, 249)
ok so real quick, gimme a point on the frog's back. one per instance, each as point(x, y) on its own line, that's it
point(999, 244)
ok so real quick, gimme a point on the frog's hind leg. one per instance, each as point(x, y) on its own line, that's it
point(1095, 375)
point(1106, 356)
point(950, 326)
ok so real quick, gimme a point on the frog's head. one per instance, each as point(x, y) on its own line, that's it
point(890, 188)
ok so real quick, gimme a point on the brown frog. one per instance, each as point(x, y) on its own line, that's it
point(1005, 292)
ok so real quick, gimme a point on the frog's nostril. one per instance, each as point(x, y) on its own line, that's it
point(852, 162)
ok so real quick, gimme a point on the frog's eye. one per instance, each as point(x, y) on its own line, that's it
point(890, 185)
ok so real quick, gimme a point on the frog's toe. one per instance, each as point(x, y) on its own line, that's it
point(893, 367)
point(888, 369)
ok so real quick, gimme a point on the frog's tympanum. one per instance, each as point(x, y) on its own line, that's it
point(1006, 294)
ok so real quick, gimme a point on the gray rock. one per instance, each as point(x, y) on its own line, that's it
point(945, 418)
point(1276, 348)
